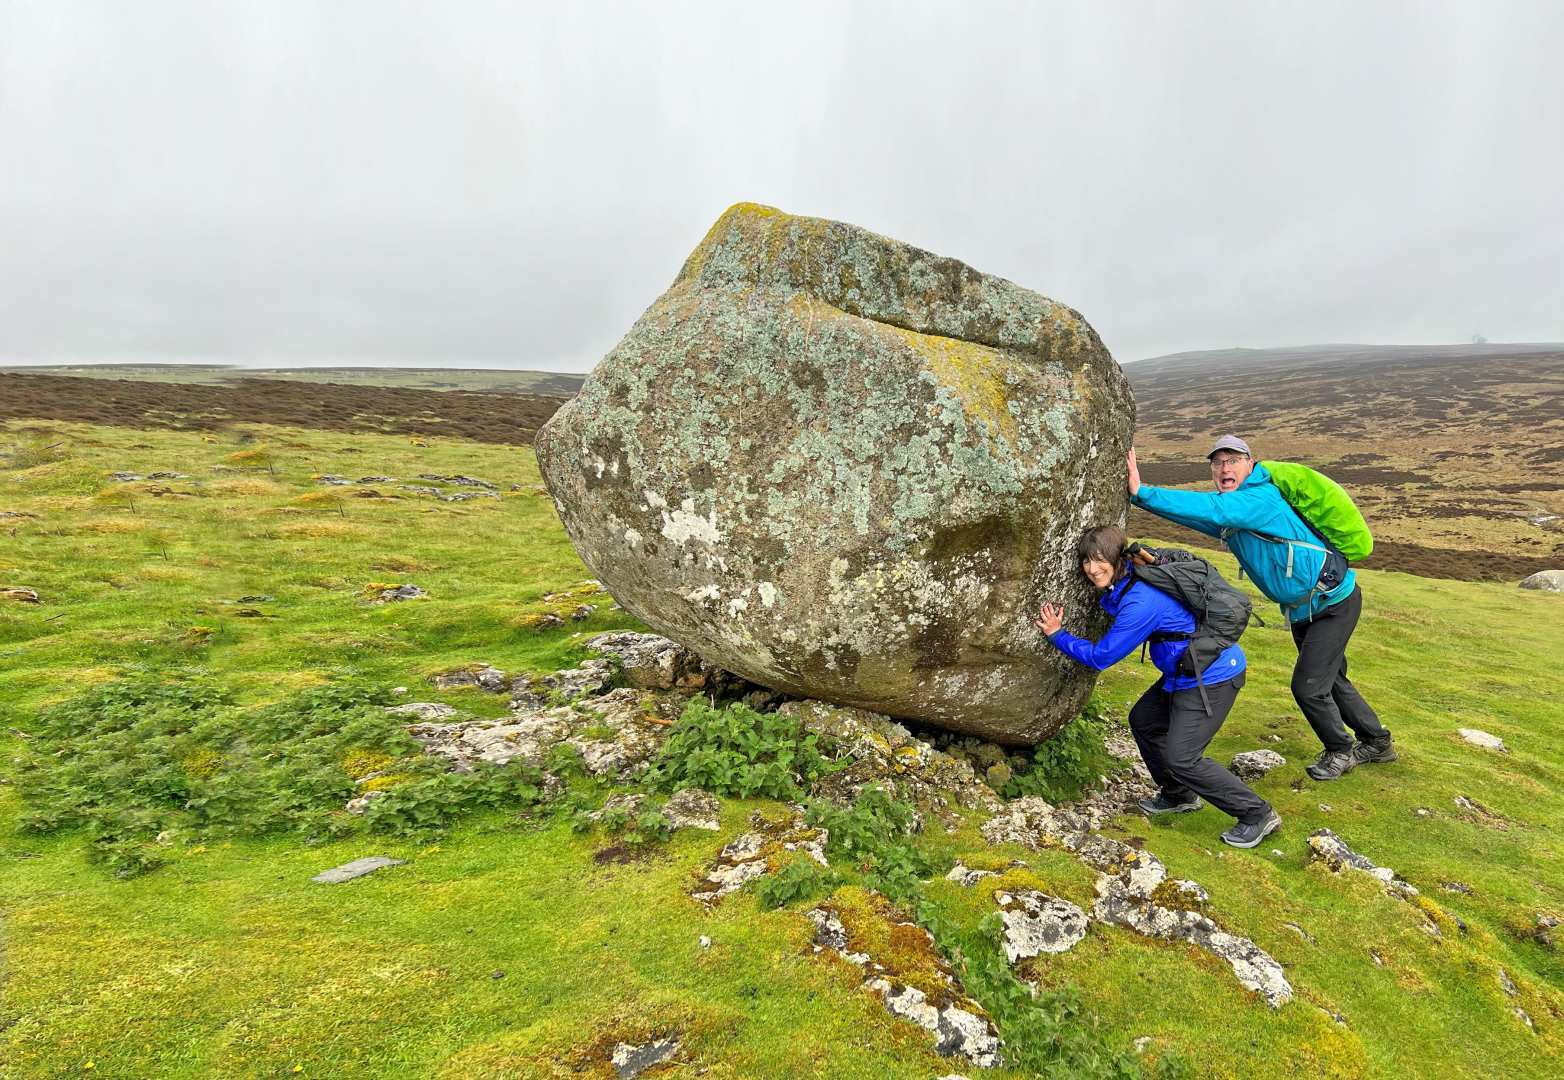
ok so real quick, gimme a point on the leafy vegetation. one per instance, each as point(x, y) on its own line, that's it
point(143, 761)
point(737, 751)
point(1066, 764)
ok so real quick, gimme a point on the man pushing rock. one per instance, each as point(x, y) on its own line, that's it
point(1316, 589)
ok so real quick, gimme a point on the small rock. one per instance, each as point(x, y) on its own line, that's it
point(956, 1031)
point(1507, 984)
point(496, 974)
point(1334, 852)
point(125, 477)
point(1379, 961)
point(1481, 738)
point(399, 592)
point(692, 808)
point(426, 711)
point(1521, 1015)
point(483, 676)
point(1325, 807)
point(19, 594)
point(361, 803)
point(1300, 931)
point(168, 476)
point(258, 599)
point(1253, 764)
point(355, 869)
point(1423, 811)
point(1143, 1043)
point(966, 877)
point(1037, 923)
point(1456, 887)
point(705, 942)
point(375, 480)
point(331, 478)
point(630, 1061)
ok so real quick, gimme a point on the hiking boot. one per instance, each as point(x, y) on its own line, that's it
point(1161, 804)
point(1378, 750)
point(1246, 835)
point(1331, 765)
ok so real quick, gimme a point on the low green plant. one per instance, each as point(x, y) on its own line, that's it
point(162, 755)
point(1049, 1034)
point(1068, 763)
point(874, 835)
point(737, 751)
point(801, 879)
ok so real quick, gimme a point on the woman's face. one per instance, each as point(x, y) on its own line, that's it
point(1098, 571)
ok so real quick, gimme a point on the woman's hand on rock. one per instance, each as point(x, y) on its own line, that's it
point(1051, 619)
point(1134, 477)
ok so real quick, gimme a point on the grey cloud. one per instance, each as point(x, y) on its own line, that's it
point(504, 185)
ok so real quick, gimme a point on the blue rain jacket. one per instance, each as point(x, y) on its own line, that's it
point(1285, 572)
point(1139, 611)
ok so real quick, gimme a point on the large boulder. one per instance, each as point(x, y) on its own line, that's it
point(851, 470)
point(1546, 580)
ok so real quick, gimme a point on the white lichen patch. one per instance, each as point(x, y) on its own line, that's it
point(703, 594)
point(768, 593)
point(632, 537)
point(684, 524)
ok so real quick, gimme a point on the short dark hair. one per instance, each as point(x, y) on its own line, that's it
point(1105, 542)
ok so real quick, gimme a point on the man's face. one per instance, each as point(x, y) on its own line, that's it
point(1229, 469)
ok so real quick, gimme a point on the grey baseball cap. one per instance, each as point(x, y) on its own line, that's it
point(1231, 442)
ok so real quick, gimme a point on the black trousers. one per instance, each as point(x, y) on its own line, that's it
point(1329, 702)
point(1173, 731)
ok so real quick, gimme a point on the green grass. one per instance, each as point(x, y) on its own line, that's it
point(229, 961)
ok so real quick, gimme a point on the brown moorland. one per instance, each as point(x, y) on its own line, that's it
point(1455, 454)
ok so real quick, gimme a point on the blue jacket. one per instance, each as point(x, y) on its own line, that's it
point(1139, 611)
point(1285, 572)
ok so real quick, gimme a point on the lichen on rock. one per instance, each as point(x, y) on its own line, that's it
point(849, 469)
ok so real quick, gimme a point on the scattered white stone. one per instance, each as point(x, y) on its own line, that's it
point(1481, 738)
point(630, 1061)
point(426, 711)
point(1037, 923)
point(966, 877)
point(1143, 1043)
point(1253, 764)
point(361, 803)
point(1522, 1016)
point(692, 808)
point(956, 1031)
point(1279, 853)
point(1507, 984)
point(1334, 852)
point(705, 942)
point(355, 869)
point(1325, 808)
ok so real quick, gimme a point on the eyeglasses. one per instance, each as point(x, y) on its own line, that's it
point(1234, 459)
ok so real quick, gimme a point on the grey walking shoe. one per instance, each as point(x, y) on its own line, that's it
point(1248, 835)
point(1161, 804)
point(1377, 750)
point(1332, 765)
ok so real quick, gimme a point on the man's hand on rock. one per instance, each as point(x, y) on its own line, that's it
point(1134, 478)
point(1051, 619)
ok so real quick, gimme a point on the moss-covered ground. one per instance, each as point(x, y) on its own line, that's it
point(504, 949)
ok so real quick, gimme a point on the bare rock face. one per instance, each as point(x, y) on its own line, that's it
point(851, 470)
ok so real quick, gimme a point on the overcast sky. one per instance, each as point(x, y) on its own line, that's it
point(510, 185)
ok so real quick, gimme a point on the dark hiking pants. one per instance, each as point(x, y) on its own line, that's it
point(1173, 731)
point(1329, 702)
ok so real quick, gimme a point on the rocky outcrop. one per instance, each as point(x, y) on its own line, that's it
point(850, 470)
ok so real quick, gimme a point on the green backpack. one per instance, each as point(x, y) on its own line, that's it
point(1324, 506)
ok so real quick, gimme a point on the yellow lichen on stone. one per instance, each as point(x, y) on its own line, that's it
point(973, 372)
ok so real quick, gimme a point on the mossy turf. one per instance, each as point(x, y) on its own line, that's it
point(505, 949)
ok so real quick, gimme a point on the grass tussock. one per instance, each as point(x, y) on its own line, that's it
point(321, 530)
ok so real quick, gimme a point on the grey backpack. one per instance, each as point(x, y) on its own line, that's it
point(1221, 611)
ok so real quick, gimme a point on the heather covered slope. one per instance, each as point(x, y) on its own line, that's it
point(503, 947)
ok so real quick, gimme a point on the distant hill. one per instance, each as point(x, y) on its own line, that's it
point(1455, 453)
point(482, 380)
